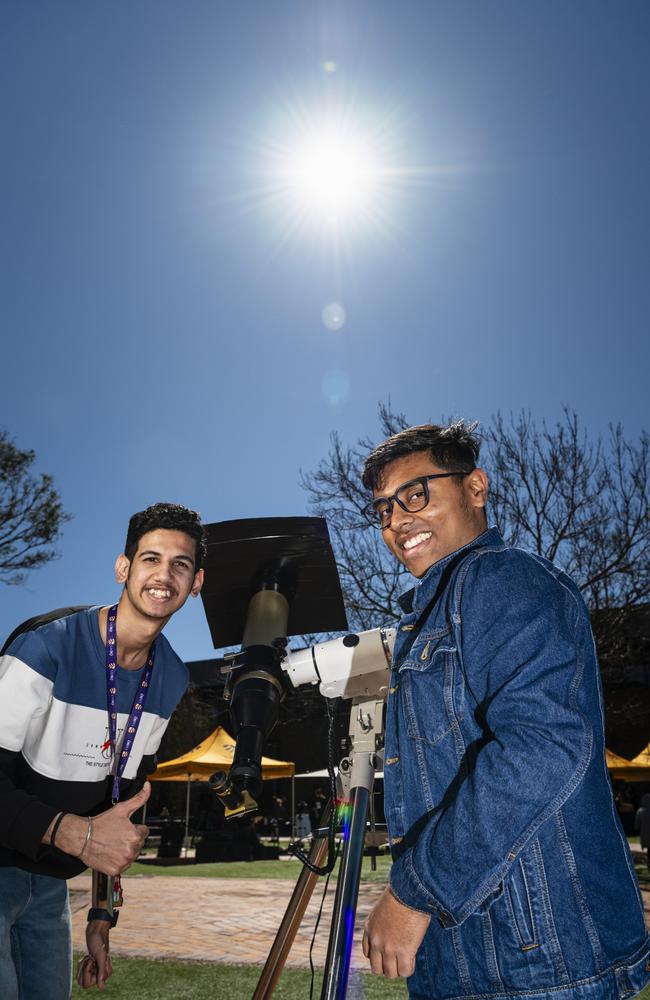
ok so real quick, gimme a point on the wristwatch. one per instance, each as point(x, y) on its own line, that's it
point(96, 914)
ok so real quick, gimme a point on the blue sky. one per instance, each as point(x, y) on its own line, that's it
point(163, 288)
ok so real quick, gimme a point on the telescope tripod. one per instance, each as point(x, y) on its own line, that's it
point(356, 778)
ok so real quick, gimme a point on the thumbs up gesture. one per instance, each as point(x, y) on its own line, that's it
point(115, 842)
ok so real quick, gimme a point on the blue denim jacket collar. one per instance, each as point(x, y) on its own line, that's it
point(418, 597)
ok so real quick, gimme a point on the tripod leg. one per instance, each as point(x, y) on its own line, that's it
point(366, 729)
point(292, 919)
point(337, 965)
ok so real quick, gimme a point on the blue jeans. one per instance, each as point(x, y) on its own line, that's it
point(35, 937)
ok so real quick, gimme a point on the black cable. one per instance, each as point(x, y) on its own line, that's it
point(294, 848)
point(313, 937)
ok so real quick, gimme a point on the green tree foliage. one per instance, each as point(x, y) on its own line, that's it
point(31, 514)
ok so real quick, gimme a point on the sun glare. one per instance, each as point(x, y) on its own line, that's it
point(332, 176)
point(331, 173)
point(328, 172)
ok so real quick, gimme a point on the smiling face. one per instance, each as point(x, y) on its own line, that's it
point(454, 515)
point(161, 575)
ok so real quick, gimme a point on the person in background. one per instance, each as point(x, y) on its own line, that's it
point(642, 825)
point(303, 822)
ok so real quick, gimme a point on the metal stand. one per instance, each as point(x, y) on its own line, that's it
point(292, 919)
point(356, 774)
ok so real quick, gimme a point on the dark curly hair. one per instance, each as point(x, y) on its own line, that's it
point(172, 516)
point(453, 446)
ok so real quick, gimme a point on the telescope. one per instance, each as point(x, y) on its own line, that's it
point(268, 579)
point(265, 579)
point(353, 666)
point(281, 579)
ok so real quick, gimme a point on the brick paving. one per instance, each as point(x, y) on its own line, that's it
point(230, 920)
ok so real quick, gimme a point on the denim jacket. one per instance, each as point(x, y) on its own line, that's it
point(498, 802)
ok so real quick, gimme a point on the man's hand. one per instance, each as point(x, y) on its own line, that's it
point(96, 967)
point(392, 936)
point(115, 843)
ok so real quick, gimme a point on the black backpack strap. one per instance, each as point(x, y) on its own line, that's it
point(45, 619)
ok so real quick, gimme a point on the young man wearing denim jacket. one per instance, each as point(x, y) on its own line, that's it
point(511, 875)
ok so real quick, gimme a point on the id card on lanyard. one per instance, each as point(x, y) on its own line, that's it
point(119, 762)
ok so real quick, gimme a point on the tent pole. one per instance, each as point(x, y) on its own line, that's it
point(187, 815)
point(293, 807)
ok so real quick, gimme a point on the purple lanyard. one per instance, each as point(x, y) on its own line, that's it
point(111, 701)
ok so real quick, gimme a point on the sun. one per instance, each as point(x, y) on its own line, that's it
point(328, 173)
point(332, 176)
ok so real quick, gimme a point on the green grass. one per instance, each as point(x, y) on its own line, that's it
point(643, 875)
point(253, 869)
point(153, 980)
point(216, 869)
point(284, 869)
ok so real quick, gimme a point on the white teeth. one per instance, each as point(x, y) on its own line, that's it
point(416, 539)
point(159, 593)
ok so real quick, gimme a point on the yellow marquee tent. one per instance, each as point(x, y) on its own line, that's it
point(637, 769)
point(642, 759)
point(214, 753)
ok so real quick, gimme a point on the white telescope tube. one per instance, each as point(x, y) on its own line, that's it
point(354, 665)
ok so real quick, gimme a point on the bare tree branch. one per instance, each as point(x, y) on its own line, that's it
point(581, 502)
point(31, 514)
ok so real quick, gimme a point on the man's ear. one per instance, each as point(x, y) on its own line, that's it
point(198, 583)
point(121, 568)
point(477, 485)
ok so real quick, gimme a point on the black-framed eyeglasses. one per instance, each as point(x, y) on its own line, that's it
point(412, 497)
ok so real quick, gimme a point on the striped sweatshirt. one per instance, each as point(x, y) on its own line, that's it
point(54, 751)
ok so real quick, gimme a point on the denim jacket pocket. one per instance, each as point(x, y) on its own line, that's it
point(431, 687)
point(519, 903)
point(526, 942)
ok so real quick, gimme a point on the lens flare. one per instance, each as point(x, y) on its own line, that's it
point(333, 316)
point(344, 815)
point(335, 386)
